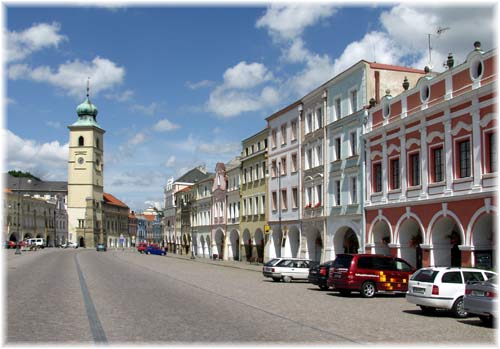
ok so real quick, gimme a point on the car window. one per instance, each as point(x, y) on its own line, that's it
point(365, 263)
point(452, 277)
point(401, 265)
point(490, 275)
point(381, 263)
point(471, 276)
point(343, 261)
point(285, 263)
point(271, 262)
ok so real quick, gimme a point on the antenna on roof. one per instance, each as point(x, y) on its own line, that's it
point(438, 32)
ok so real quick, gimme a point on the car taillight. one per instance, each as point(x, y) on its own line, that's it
point(490, 294)
point(272, 270)
point(322, 271)
point(468, 291)
point(435, 290)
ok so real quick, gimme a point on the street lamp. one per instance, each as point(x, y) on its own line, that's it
point(19, 219)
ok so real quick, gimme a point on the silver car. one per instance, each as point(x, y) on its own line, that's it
point(287, 269)
point(481, 300)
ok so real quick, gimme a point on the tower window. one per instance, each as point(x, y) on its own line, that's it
point(97, 143)
point(80, 141)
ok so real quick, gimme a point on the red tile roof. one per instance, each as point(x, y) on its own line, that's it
point(150, 217)
point(7, 191)
point(110, 199)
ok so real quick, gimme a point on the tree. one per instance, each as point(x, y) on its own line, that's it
point(22, 174)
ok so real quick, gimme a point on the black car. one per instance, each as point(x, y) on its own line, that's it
point(318, 274)
point(101, 247)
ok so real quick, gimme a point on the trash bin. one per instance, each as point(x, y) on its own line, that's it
point(215, 256)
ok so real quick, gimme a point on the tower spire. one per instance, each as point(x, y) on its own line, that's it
point(88, 86)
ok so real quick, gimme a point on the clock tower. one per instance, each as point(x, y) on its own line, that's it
point(85, 177)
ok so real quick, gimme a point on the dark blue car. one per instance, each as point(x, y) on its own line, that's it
point(155, 249)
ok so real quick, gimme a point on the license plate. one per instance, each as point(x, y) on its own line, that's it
point(418, 290)
point(477, 293)
point(337, 276)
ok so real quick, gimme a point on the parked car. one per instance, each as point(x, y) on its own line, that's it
point(39, 242)
point(369, 274)
point(69, 244)
point(318, 274)
point(155, 249)
point(10, 244)
point(443, 287)
point(101, 247)
point(481, 300)
point(287, 269)
point(141, 247)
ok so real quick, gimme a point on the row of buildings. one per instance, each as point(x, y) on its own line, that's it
point(33, 208)
point(379, 159)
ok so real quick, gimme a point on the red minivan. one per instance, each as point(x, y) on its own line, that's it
point(369, 274)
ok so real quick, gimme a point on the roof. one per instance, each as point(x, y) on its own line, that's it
point(284, 110)
point(193, 176)
point(149, 217)
point(33, 185)
point(111, 200)
point(7, 190)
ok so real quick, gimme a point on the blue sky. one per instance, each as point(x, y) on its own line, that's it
point(178, 86)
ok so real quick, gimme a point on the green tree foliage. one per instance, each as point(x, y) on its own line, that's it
point(22, 174)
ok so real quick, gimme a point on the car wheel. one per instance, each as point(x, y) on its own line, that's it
point(427, 310)
point(323, 287)
point(276, 279)
point(368, 289)
point(287, 278)
point(458, 308)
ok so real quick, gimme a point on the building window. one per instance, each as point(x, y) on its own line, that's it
point(283, 134)
point(244, 176)
point(294, 163)
point(275, 201)
point(251, 173)
point(293, 126)
point(319, 157)
point(80, 141)
point(274, 171)
point(295, 198)
point(256, 171)
point(319, 195)
point(337, 193)
point(273, 138)
point(338, 110)
point(464, 159)
point(437, 161)
point(491, 152)
point(309, 121)
point(309, 158)
point(395, 182)
point(338, 149)
point(377, 177)
point(263, 204)
point(283, 166)
point(263, 169)
point(283, 199)
point(308, 197)
point(319, 118)
point(354, 100)
point(414, 169)
point(354, 190)
point(354, 143)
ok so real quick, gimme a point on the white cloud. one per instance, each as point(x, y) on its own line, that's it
point(54, 124)
point(71, 77)
point(246, 75)
point(239, 92)
point(199, 84)
point(39, 36)
point(216, 148)
point(171, 161)
point(48, 161)
point(165, 125)
point(138, 139)
point(288, 21)
point(146, 109)
point(120, 96)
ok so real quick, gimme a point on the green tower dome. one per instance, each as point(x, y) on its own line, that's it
point(87, 108)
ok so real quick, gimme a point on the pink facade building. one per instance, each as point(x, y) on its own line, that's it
point(431, 168)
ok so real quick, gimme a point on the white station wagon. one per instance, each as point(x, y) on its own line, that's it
point(443, 287)
point(287, 269)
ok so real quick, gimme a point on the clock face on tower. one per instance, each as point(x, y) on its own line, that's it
point(81, 160)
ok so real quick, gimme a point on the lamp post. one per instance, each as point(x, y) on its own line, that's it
point(19, 218)
point(279, 200)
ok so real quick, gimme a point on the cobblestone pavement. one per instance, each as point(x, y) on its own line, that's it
point(142, 299)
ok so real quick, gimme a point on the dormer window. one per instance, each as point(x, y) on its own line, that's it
point(425, 93)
